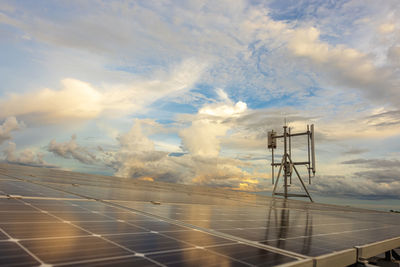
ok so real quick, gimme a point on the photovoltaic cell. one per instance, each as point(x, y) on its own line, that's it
point(118, 261)
point(80, 216)
point(197, 238)
point(41, 230)
point(252, 255)
point(14, 205)
point(148, 242)
point(21, 216)
point(195, 257)
point(13, 255)
point(159, 226)
point(110, 227)
point(60, 250)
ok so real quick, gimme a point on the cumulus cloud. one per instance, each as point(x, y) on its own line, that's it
point(78, 100)
point(9, 125)
point(71, 149)
point(202, 164)
point(26, 157)
point(137, 158)
point(202, 138)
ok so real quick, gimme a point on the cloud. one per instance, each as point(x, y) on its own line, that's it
point(382, 176)
point(379, 178)
point(393, 55)
point(79, 101)
point(202, 164)
point(71, 149)
point(26, 157)
point(136, 41)
point(386, 28)
point(375, 163)
point(384, 118)
point(367, 124)
point(359, 186)
point(355, 151)
point(76, 100)
point(345, 66)
point(245, 45)
point(249, 130)
point(137, 158)
point(202, 138)
point(9, 125)
point(139, 94)
point(345, 63)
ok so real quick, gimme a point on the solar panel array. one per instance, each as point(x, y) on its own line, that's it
point(65, 218)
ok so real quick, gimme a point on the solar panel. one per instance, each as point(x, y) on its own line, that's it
point(66, 218)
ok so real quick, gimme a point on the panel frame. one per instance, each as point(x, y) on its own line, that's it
point(373, 249)
point(340, 258)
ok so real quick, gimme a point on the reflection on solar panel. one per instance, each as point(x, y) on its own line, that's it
point(65, 218)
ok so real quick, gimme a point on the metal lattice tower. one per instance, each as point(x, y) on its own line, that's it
point(287, 165)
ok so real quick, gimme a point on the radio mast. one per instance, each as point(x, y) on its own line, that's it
point(287, 165)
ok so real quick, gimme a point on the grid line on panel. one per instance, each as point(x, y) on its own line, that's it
point(161, 252)
point(369, 228)
point(92, 234)
point(179, 240)
point(190, 226)
point(219, 234)
point(147, 229)
point(115, 243)
point(16, 241)
point(96, 260)
point(212, 232)
point(334, 223)
point(7, 196)
point(48, 238)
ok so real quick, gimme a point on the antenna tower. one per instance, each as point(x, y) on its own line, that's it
point(287, 165)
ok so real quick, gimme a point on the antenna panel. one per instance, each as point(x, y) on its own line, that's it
point(312, 149)
point(271, 140)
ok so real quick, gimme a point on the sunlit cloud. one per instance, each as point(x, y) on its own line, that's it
point(27, 156)
point(9, 125)
point(387, 28)
point(78, 100)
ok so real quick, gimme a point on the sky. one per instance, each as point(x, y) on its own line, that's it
point(186, 91)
